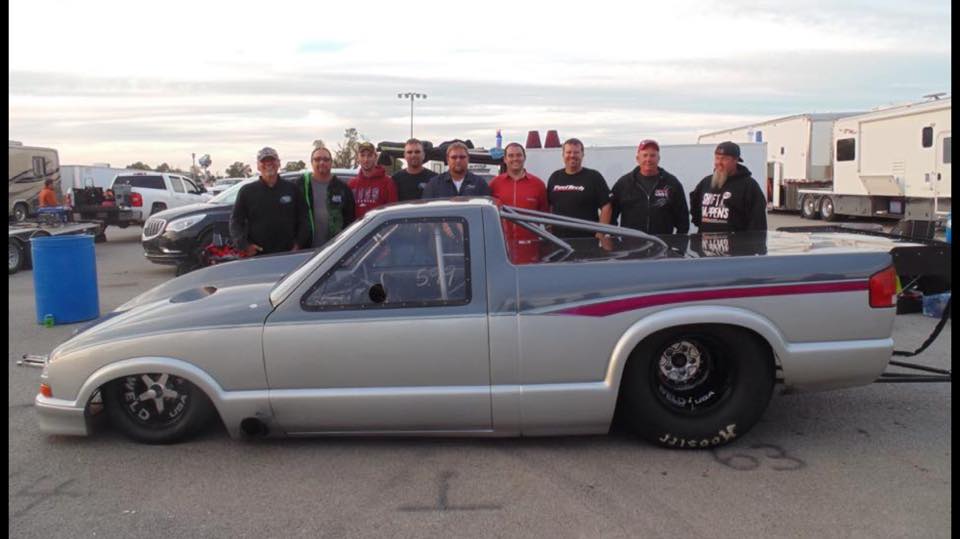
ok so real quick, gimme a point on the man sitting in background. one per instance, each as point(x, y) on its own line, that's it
point(48, 197)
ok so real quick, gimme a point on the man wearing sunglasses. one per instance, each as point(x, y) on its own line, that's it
point(330, 205)
point(457, 180)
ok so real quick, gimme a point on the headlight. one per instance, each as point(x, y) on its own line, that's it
point(182, 224)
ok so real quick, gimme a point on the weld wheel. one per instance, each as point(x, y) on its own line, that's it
point(156, 408)
point(697, 386)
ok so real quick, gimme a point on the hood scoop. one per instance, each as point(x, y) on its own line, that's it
point(193, 294)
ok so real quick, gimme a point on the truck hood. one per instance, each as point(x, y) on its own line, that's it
point(262, 270)
point(227, 295)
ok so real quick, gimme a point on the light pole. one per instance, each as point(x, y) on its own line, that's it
point(411, 96)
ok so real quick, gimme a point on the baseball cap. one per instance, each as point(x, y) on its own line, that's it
point(366, 147)
point(728, 148)
point(648, 143)
point(266, 152)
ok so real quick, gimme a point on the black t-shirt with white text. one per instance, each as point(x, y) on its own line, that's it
point(579, 195)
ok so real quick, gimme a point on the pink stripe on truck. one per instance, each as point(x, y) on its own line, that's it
point(617, 306)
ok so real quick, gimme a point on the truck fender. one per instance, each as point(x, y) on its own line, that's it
point(682, 316)
point(233, 407)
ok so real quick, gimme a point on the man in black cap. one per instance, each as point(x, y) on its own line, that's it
point(729, 199)
point(270, 214)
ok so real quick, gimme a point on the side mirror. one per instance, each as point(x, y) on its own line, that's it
point(377, 294)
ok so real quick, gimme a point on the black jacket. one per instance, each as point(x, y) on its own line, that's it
point(275, 218)
point(739, 205)
point(340, 205)
point(660, 212)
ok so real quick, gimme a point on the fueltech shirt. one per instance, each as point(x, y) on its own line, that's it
point(578, 195)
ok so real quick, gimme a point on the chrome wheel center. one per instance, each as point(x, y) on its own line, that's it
point(681, 362)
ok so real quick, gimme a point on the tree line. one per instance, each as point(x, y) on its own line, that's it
point(345, 156)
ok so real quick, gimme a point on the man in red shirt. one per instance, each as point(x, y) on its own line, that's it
point(372, 187)
point(516, 187)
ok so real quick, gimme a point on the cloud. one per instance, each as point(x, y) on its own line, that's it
point(611, 73)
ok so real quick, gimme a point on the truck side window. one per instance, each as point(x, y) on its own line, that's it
point(926, 137)
point(143, 182)
point(177, 184)
point(846, 149)
point(403, 264)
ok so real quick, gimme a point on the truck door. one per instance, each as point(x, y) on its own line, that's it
point(391, 336)
point(942, 166)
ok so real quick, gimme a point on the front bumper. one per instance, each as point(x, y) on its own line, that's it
point(61, 417)
point(170, 247)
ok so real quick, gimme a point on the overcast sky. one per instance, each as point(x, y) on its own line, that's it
point(122, 81)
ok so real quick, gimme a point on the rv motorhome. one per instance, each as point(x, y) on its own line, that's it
point(29, 166)
point(892, 162)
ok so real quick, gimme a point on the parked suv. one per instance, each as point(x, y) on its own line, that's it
point(157, 191)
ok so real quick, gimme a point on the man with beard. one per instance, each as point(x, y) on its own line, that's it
point(457, 180)
point(372, 187)
point(577, 191)
point(729, 199)
point(649, 198)
point(411, 180)
point(330, 205)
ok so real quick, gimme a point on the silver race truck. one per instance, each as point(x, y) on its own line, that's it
point(461, 317)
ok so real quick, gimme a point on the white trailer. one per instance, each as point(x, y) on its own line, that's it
point(688, 162)
point(893, 162)
point(799, 153)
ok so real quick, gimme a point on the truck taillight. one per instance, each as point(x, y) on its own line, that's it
point(136, 199)
point(883, 288)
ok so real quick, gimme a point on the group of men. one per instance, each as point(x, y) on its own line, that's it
point(272, 216)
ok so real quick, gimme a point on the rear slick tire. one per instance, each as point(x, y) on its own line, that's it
point(698, 386)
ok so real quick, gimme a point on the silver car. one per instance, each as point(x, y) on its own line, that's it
point(462, 317)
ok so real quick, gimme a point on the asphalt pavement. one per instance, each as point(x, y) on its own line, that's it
point(873, 461)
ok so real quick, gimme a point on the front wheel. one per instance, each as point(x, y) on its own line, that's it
point(156, 408)
point(697, 386)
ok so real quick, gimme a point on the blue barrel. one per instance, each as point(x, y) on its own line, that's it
point(949, 217)
point(65, 278)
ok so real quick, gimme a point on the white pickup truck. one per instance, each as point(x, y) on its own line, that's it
point(152, 192)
